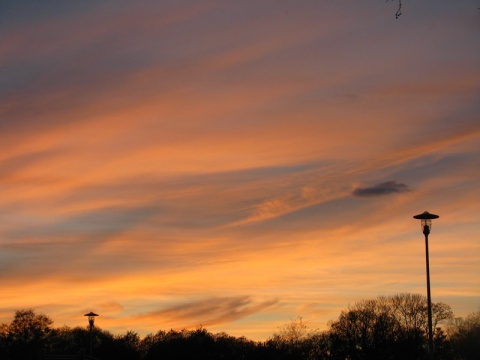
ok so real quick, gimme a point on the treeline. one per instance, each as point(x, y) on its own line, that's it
point(393, 327)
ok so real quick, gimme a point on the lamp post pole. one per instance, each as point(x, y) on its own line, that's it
point(426, 223)
point(91, 322)
point(426, 231)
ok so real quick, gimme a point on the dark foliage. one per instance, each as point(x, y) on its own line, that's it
point(387, 328)
point(197, 344)
point(464, 335)
point(26, 335)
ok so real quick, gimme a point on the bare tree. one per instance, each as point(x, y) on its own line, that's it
point(389, 327)
point(464, 334)
point(294, 331)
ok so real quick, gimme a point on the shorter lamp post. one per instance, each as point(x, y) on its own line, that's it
point(426, 223)
point(91, 322)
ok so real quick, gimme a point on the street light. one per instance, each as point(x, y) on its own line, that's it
point(91, 321)
point(426, 223)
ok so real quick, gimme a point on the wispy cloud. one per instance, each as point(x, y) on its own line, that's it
point(209, 312)
point(171, 157)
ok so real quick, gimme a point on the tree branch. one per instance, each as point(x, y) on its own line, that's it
point(399, 11)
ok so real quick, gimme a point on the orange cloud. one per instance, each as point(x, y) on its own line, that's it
point(180, 165)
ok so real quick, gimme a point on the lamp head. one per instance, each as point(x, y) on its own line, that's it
point(91, 318)
point(426, 221)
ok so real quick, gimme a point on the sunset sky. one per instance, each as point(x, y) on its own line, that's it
point(236, 164)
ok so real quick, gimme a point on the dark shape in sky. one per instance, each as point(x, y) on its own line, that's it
point(385, 188)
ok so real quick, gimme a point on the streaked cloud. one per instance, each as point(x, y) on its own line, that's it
point(208, 312)
point(179, 163)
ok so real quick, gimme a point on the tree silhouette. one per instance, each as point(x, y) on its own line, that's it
point(365, 331)
point(392, 327)
point(26, 335)
point(294, 340)
point(388, 327)
point(464, 336)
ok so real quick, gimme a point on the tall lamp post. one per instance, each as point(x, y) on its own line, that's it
point(91, 322)
point(426, 223)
